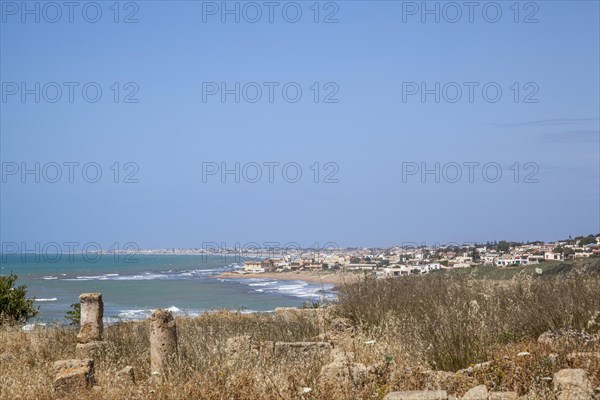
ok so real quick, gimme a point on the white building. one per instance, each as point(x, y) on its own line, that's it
point(551, 256)
point(253, 267)
point(397, 270)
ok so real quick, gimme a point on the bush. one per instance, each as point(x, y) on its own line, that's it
point(15, 307)
point(74, 314)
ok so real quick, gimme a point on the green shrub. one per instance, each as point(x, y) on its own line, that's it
point(15, 307)
point(74, 314)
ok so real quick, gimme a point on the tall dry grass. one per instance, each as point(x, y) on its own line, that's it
point(454, 321)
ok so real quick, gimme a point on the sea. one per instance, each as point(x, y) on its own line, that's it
point(132, 287)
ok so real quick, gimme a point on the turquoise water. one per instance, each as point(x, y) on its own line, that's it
point(184, 283)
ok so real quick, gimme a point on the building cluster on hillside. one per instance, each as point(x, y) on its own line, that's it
point(406, 260)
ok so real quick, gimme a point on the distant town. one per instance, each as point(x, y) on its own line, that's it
point(400, 260)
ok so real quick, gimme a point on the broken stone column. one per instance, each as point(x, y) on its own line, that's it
point(163, 341)
point(73, 375)
point(92, 311)
point(91, 329)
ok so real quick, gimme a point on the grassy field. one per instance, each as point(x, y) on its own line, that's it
point(411, 333)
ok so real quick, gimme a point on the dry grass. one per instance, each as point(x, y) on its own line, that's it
point(456, 321)
point(201, 370)
point(408, 331)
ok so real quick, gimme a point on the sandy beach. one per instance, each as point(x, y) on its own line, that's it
point(336, 278)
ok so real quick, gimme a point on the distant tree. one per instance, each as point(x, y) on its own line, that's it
point(587, 240)
point(567, 252)
point(503, 246)
point(15, 307)
point(74, 314)
point(475, 255)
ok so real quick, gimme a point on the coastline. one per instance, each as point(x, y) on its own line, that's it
point(335, 278)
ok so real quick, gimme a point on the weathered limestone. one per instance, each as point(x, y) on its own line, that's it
point(477, 367)
point(92, 311)
point(572, 384)
point(126, 375)
point(477, 393)
point(418, 395)
point(504, 396)
point(163, 341)
point(63, 365)
point(342, 373)
point(89, 338)
point(240, 347)
point(73, 375)
point(434, 380)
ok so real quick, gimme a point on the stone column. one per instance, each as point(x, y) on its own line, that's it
point(91, 326)
point(163, 341)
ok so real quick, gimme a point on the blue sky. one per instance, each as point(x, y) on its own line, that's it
point(368, 56)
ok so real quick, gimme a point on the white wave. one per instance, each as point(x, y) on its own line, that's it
point(271, 283)
point(249, 311)
point(111, 320)
point(137, 314)
point(52, 299)
point(134, 314)
point(47, 278)
point(30, 327)
point(147, 276)
point(299, 289)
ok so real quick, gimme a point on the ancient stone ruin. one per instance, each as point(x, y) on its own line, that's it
point(89, 338)
point(163, 341)
point(339, 371)
point(73, 375)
